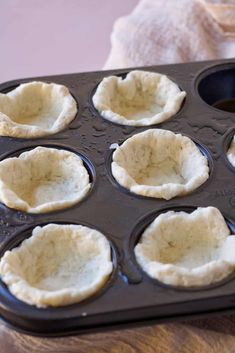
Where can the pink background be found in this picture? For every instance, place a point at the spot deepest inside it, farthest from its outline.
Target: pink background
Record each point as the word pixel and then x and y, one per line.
pixel 41 37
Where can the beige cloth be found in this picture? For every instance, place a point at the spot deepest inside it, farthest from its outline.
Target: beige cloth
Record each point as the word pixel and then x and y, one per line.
pixel 168 31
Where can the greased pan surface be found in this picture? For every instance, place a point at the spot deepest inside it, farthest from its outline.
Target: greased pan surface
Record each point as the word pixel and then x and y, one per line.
pixel 130 297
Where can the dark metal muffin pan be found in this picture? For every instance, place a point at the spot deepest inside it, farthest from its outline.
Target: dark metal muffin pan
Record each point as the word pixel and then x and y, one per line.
pixel 130 297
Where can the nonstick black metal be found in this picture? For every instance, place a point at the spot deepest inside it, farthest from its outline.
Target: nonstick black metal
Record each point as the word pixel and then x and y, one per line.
pixel 130 297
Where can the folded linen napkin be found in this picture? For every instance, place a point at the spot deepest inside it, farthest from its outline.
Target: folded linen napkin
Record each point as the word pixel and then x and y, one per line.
pixel 168 31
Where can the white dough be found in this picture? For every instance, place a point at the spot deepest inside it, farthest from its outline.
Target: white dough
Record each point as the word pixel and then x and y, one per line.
pixel 184 249
pixel 231 152
pixel 142 98
pixel 58 265
pixel 43 180
pixel 36 109
pixel 159 163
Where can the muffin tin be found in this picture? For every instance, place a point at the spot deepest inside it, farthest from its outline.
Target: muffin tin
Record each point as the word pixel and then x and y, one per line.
pixel 130 297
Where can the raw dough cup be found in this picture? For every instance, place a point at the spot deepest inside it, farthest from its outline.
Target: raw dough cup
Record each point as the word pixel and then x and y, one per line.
pixel 36 109
pixel 142 98
pixel 159 163
pixel 231 152
pixel 184 249
pixel 43 180
pixel 58 265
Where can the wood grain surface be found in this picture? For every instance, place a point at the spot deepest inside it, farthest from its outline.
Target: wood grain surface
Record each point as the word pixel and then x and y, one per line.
pixel 214 335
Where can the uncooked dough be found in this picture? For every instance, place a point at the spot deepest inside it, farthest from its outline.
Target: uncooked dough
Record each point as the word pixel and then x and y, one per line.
pixel 58 265
pixel 159 163
pixel 141 98
pixel 43 180
pixel 36 109
pixel 184 249
pixel 231 152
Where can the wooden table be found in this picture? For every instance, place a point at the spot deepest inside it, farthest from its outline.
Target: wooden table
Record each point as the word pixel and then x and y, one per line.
pixel 214 335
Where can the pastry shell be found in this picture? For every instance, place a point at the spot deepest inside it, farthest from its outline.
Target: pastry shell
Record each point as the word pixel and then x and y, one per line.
pixel 36 109
pixel 182 249
pixel 43 180
pixel 140 99
pixel 159 163
pixel 231 152
pixel 58 265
